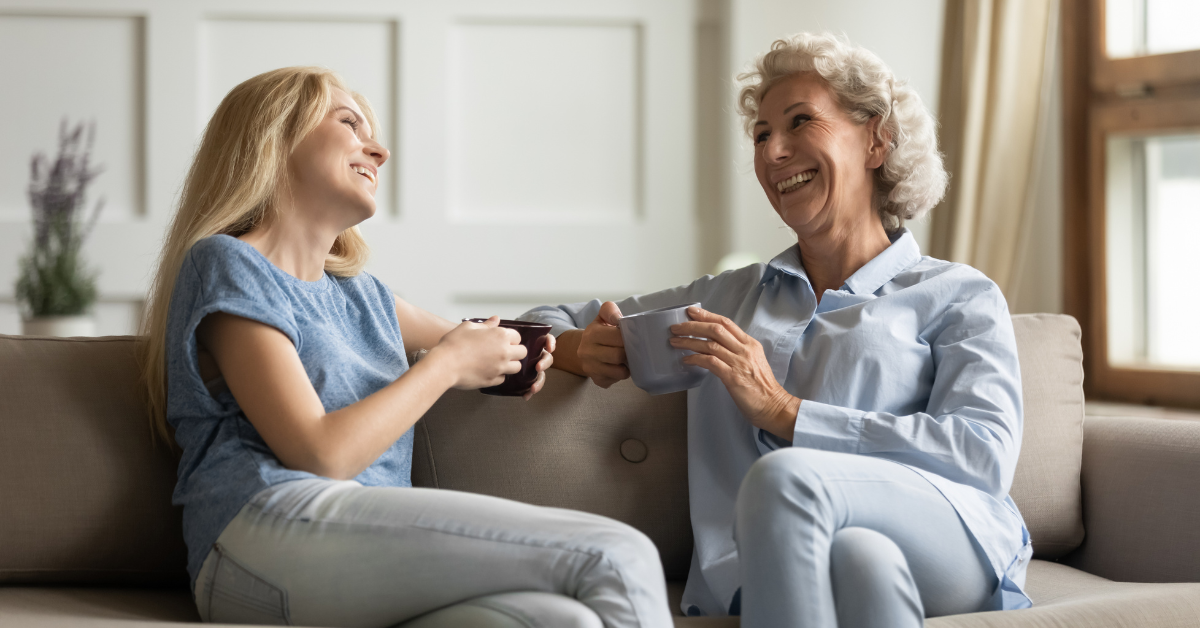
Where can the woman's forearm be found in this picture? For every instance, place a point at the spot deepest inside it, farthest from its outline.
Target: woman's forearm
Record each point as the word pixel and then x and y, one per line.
pixel 348 440
pixel 566 354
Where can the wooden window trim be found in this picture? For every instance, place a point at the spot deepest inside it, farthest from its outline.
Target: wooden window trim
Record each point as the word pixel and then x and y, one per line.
pixel 1092 108
pixel 1150 71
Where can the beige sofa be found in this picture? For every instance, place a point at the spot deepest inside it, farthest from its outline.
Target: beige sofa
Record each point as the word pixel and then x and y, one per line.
pixel 88 536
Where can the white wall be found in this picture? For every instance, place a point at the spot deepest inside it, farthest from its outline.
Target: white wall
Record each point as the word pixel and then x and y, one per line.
pixel 672 183
pixel 906 34
pixel 541 150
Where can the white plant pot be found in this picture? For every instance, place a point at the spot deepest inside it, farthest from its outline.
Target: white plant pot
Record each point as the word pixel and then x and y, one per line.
pixel 61 326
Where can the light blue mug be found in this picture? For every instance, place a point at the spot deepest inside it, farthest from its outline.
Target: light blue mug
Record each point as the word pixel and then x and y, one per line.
pixel 655 365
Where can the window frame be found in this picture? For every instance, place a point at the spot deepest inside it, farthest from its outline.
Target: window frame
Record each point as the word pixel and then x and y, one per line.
pixel 1112 76
pixel 1102 96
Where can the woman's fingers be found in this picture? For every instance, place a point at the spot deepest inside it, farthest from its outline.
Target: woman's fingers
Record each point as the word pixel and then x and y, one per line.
pixel 704 346
pixel 544 362
pixel 606 354
pixel 703 315
pixel 615 372
pixel 709 363
pixel 537 386
pixel 609 313
pixel 604 334
pixel 601 349
pixel 713 331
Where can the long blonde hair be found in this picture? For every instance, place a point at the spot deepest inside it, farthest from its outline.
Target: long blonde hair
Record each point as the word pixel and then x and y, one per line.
pixel 232 187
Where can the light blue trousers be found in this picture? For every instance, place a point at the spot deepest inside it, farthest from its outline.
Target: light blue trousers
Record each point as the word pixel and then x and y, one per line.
pixel 329 553
pixel 830 539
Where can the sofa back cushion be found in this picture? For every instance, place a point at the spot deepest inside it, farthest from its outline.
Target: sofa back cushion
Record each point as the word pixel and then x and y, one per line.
pixel 1046 486
pixel 618 452
pixel 85 495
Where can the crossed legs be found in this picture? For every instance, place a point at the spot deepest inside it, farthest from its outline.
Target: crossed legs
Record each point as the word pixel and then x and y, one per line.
pixel 830 539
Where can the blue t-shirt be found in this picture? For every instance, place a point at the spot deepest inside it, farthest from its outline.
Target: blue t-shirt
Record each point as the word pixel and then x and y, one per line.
pixel 346 332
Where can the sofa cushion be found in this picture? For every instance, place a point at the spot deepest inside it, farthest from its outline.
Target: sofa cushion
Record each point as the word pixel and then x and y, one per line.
pixel 618 452
pixel 75 607
pixel 86 494
pixel 1046 486
pixel 1141 480
pixel 1063 596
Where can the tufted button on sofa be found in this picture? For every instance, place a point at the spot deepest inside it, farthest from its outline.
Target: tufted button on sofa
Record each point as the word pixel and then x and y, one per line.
pixel 88 536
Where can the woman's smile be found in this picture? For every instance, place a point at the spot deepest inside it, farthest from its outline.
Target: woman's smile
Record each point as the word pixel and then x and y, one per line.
pixel 369 172
pixel 795 182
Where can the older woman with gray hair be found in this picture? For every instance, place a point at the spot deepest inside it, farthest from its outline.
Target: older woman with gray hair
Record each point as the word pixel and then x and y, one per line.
pixel 852 447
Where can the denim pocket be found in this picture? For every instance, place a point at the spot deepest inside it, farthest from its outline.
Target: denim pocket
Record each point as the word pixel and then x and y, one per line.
pixel 238 596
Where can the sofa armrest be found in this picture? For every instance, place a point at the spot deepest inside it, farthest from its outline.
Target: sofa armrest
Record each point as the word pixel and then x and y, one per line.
pixel 1141 500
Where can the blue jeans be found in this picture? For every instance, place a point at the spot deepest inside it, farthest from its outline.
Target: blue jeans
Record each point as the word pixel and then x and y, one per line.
pixel 831 539
pixel 334 553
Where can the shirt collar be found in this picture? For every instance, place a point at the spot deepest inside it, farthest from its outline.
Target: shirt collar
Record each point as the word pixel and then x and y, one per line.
pixel 898 257
pixel 787 263
pixel 895 259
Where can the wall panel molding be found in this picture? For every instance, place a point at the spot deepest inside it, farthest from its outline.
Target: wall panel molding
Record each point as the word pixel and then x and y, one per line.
pixel 363 51
pixel 546 120
pixel 97 63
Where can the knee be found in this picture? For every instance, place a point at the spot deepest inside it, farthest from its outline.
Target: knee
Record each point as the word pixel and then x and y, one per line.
pixel 781 478
pixel 872 584
pixel 628 548
pixel 864 559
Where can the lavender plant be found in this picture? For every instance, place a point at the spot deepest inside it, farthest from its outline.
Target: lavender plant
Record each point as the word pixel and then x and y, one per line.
pixel 53 279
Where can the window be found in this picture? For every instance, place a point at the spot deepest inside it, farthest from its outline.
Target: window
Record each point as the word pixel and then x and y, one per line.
pixel 1132 185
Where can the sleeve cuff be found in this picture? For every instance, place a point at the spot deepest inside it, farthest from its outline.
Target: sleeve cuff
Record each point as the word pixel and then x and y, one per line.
pixel 829 428
pixel 558 320
pixel 768 442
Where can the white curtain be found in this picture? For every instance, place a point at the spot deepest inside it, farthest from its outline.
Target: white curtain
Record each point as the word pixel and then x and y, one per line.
pixel 997 109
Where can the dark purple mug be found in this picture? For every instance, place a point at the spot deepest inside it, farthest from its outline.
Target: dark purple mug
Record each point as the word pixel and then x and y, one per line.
pixel 534 336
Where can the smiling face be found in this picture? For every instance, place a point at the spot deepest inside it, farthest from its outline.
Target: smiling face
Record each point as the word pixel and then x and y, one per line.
pixel 335 169
pixel 814 162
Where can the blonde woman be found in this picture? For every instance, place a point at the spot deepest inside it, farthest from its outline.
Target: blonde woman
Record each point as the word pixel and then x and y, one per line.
pixel 280 368
pixel 851 451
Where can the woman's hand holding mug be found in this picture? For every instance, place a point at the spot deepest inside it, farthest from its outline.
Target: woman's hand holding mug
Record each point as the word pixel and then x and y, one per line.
pixel 739 361
pixel 479 354
pixel 544 363
pixel 601 349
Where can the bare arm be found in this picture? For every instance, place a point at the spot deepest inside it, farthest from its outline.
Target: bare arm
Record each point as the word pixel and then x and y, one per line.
pixel 419 328
pixel 566 356
pixel 424 330
pixel 265 375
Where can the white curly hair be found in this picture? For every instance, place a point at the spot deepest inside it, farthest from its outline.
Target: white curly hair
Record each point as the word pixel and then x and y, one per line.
pixel 912 178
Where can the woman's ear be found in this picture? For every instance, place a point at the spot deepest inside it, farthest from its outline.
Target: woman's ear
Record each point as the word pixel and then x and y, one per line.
pixel 881 143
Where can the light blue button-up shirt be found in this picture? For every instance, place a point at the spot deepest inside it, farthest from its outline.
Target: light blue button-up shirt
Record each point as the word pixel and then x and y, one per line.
pixel 913 359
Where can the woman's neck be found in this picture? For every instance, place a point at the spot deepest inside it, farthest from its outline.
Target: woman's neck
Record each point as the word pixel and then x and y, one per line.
pixel 831 255
pixel 294 247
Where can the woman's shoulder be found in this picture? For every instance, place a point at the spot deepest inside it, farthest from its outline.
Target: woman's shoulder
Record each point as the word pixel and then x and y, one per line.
pixel 222 250
pixel 956 299
pixel 735 279
pixel 364 283
pixel 950 293
pixel 221 266
pixel 952 279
